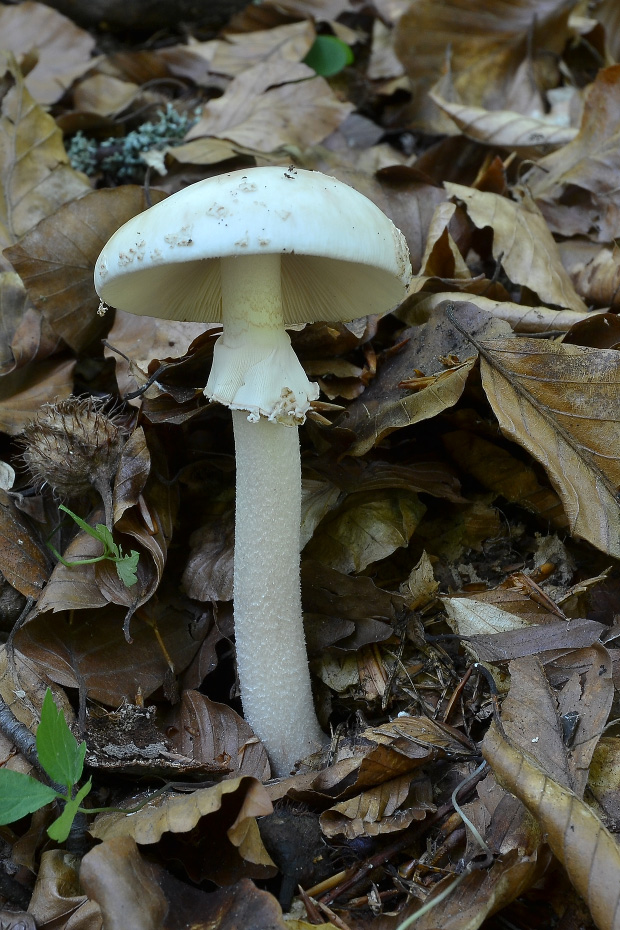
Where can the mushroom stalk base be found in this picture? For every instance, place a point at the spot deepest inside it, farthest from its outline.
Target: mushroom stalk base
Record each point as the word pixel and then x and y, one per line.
pixel 271 649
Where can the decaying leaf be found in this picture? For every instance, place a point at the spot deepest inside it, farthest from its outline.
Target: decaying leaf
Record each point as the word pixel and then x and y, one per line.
pixel 34 168
pixel 207 731
pixel 62 49
pixel 561 403
pixel 387 406
pixel 89 646
pixel 58 897
pixel 24 560
pixel 487 50
pixel 522 243
pixel 365 529
pixel 390 807
pixel 56 259
pixel 266 107
pixel 590 163
pixel 577 837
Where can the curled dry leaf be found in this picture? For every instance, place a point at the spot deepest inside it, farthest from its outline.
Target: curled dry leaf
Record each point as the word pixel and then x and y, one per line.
pixel 115 876
pixel 594 270
pixel 227 810
pixel 34 168
pixel 58 897
pixel 208 575
pixel 388 808
pixel 56 259
pixel 24 391
pixel 365 528
pixel 386 406
pixel 522 243
pixel 207 731
pixel 521 318
pixel 505 128
pixel 581 842
pixel 561 403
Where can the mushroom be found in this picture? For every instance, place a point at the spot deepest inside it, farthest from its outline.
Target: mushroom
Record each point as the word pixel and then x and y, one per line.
pixel 261 250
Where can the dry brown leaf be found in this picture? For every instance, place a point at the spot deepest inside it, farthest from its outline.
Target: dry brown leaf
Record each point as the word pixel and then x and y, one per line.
pixel 103 94
pixel 591 162
pixel 88 647
pixel 208 574
pixel 536 716
pixel 522 243
pixel 469 617
pixel 385 406
pixel 388 808
pixel 22 392
pixel 115 876
pixel 57 899
pixel 577 837
pixel 227 810
pixel 56 259
pixel 504 128
pixel 561 402
pixel 206 731
pixel 364 529
pixel 550 638
pixel 272 105
pixel 487 49
pixel 594 270
pixel 522 319
pixel 24 560
pixel 239 51
pixel 20 326
pixel 35 174
pixel 63 50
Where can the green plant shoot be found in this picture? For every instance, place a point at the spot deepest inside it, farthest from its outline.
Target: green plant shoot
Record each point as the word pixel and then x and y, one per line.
pixel 126 565
pixel 62 757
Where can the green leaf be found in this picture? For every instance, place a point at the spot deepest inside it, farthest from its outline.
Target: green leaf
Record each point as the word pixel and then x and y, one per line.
pixel 57 748
pixel 126 568
pixel 60 829
pixel 107 539
pixel 20 795
pixel 328 56
pixel 81 523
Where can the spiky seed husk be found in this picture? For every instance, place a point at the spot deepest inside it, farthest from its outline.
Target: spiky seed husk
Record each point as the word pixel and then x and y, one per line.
pixel 74 445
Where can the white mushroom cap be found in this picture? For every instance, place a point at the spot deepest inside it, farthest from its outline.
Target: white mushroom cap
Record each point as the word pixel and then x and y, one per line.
pixel 342 258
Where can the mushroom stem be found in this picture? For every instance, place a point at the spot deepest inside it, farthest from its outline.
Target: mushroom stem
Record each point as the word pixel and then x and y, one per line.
pixel 254 365
pixel 271 649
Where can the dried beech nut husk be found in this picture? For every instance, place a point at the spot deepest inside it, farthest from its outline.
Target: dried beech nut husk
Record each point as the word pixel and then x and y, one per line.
pixel 74 445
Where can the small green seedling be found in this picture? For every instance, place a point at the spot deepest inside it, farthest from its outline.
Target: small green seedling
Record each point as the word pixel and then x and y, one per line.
pixel 126 565
pixel 329 55
pixel 63 759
